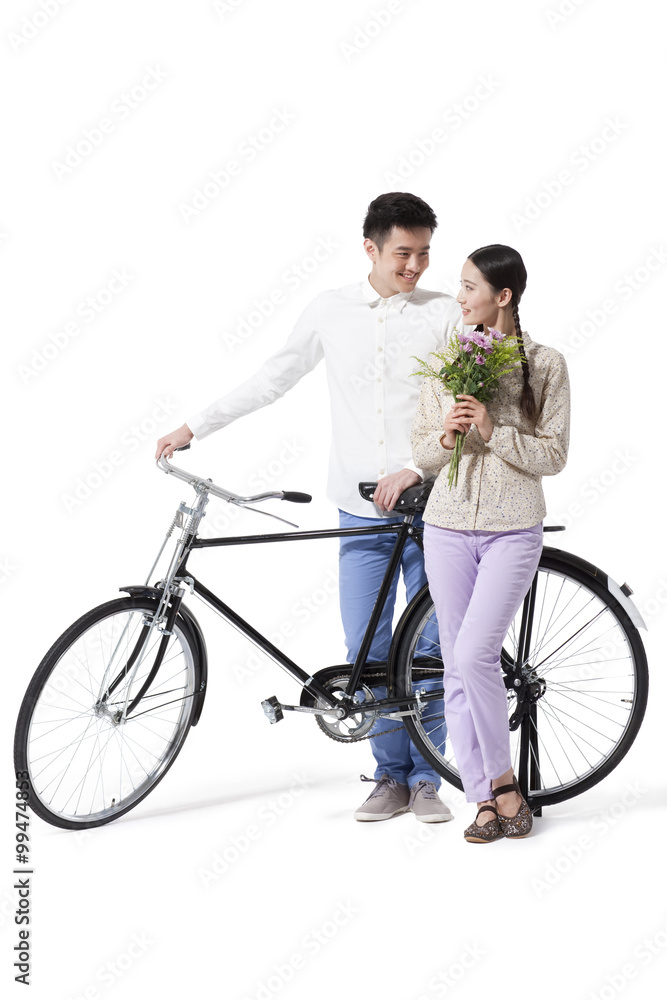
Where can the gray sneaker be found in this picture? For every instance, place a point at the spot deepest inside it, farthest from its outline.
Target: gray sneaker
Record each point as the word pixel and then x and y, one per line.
pixel 388 798
pixel 427 805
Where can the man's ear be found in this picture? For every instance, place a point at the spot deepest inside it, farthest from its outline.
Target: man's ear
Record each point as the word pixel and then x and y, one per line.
pixel 371 249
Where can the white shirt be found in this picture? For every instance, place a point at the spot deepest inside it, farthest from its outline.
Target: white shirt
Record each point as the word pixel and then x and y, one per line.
pixel 367 343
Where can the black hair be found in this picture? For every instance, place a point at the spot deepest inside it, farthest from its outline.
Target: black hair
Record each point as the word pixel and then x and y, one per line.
pixel 397 208
pixel 502 267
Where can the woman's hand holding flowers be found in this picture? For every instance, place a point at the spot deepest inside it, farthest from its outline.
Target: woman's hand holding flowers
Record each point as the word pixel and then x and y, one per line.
pixel 470 410
pixel 453 424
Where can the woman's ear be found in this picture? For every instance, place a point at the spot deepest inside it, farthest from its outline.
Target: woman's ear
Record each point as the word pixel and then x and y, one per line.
pixel 504 298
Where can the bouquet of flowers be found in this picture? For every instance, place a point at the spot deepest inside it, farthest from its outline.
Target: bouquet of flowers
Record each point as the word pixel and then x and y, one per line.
pixel 471 364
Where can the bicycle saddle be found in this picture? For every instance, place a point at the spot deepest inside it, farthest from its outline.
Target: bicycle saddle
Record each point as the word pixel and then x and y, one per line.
pixel 411 501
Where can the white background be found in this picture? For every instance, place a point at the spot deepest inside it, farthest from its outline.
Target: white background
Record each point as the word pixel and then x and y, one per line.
pixel 517 94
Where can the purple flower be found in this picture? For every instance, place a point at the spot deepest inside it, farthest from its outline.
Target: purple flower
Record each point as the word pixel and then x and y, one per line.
pixel 495 334
pixel 479 360
pixel 486 343
pixel 467 348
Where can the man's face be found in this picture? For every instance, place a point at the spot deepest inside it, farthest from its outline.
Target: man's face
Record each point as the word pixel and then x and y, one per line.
pixel 399 265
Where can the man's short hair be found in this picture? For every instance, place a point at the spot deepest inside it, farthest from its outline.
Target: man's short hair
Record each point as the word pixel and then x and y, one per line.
pixel 397 208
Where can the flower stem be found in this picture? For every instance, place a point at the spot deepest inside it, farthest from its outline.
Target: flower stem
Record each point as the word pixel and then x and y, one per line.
pixel 453 471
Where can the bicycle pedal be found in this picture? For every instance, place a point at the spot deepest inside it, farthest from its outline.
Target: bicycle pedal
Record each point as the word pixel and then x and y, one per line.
pixel 273 709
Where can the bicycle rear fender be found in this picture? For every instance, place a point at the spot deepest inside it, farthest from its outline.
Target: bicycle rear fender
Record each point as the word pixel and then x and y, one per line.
pixel 549 555
pixel 616 591
pixel 190 624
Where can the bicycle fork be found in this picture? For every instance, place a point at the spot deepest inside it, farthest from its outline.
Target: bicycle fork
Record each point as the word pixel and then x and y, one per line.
pixel 162 620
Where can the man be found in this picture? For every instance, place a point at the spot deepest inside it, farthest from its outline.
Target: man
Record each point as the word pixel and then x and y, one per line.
pixel 367 334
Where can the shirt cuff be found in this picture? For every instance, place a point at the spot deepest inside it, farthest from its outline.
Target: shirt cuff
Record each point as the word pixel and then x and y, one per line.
pixel 413 468
pixel 199 426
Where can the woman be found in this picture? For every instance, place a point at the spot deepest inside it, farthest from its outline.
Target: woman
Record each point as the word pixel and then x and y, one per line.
pixel 483 539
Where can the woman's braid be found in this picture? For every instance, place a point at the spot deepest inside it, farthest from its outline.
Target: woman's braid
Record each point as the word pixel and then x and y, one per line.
pixel 528 407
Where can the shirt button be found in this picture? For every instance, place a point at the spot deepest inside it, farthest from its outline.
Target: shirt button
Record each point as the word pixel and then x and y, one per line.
pixel 381 442
pixel 379 379
pixel 379 411
pixel 379 348
pixel 382 472
pixel 381 319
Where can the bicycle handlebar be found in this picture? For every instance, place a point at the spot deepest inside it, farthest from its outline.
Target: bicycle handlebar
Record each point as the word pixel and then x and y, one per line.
pixel 199 483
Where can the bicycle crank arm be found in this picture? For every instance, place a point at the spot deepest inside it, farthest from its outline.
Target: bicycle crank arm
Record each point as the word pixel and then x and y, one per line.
pixel 273 710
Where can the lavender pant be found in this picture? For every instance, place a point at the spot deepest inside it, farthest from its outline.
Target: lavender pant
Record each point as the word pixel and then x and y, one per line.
pixel 478 580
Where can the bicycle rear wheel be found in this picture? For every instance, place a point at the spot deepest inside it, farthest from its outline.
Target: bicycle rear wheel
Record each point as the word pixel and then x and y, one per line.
pixel 86 763
pixel 582 684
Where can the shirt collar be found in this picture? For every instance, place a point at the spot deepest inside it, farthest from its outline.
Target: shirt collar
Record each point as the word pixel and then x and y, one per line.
pixel 372 297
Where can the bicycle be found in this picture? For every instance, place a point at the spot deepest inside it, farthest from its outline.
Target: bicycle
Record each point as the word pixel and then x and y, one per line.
pixel 110 705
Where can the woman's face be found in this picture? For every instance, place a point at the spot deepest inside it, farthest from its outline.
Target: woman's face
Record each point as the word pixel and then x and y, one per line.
pixel 479 303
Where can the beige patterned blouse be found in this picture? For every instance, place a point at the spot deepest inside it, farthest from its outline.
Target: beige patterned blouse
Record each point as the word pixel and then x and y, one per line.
pixel 499 485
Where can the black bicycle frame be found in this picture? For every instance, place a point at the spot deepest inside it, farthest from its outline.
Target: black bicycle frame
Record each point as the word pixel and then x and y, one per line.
pixel 404 531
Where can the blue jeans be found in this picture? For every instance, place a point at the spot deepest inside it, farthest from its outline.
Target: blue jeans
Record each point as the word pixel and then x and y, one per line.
pixel 363 563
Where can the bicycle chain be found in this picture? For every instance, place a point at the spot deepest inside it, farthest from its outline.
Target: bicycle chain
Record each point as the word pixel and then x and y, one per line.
pixel 371 735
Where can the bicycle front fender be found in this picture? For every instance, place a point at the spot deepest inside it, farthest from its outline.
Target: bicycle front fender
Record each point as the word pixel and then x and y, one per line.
pixel 192 627
pixel 588 569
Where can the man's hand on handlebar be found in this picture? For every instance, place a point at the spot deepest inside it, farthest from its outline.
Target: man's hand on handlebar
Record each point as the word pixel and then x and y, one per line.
pixel 390 487
pixel 176 439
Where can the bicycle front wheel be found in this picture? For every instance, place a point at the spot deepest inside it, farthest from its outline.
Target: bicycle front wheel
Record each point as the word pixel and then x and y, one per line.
pixel 581 667
pixel 88 760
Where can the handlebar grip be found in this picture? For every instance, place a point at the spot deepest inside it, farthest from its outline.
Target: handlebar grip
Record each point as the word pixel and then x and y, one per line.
pixel 297 497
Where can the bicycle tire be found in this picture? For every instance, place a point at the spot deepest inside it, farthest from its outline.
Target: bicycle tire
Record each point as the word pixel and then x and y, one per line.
pixel 585 652
pixel 85 766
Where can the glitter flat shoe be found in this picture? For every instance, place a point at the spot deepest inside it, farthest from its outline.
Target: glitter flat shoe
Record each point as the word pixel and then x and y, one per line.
pixel 520 825
pixel 487 833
